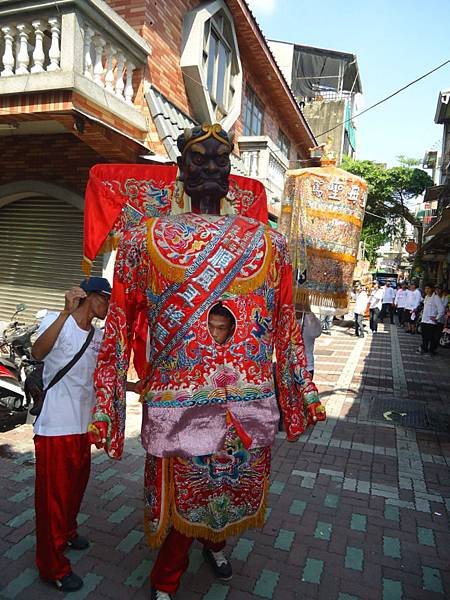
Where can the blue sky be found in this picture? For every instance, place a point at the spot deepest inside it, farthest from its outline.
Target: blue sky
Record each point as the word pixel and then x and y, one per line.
pixel 395 41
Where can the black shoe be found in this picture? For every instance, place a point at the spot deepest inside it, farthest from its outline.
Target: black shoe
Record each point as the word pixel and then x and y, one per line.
pixel 159 595
pixel 219 563
pixel 78 543
pixel 68 583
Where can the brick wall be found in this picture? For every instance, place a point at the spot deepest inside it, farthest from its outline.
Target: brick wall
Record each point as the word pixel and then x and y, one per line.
pixel 60 159
pixel 160 22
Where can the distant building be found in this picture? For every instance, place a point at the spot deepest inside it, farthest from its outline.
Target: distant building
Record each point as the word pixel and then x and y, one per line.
pixel 88 81
pixel 392 256
pixel 327 86
pixel 435 253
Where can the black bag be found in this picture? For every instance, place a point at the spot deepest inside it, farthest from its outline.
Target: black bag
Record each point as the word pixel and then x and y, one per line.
pixel 34 386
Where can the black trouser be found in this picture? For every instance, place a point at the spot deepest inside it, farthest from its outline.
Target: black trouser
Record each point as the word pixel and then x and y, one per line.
pixel 387 308
pixel 401 315
pixel 374 312
pixel 359 325
pixel 430 336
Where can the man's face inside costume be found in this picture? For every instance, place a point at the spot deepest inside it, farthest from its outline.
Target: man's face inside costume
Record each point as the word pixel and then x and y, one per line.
pixel 204 170
pixel 221 324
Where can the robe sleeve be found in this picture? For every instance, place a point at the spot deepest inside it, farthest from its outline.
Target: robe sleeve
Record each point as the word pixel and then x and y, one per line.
pixel 298 397
pixel 126 304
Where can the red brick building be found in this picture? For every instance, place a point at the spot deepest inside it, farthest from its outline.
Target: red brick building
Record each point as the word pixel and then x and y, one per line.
pixel 87 81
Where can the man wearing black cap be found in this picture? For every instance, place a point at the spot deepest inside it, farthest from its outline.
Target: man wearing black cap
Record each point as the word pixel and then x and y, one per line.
pixel 62 447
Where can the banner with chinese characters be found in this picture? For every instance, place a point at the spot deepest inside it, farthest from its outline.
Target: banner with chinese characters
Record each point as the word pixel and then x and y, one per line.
pixel 322 216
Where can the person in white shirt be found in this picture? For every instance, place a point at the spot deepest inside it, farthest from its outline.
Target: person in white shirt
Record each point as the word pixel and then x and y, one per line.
pixel 62 445
pixel 433 311
pixel 443 297
pixel 388 306
pixel 413 301
pixel 361 304
pixel 400 303
pixel 375 301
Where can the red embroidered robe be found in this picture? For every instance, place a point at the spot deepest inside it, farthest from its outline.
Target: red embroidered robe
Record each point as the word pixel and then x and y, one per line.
pixel 210 412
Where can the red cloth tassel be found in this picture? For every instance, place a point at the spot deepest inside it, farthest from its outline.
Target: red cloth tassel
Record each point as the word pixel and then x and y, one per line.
pixel 243 435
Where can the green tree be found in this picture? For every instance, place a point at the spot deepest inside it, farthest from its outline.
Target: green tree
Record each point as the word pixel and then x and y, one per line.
pixel 388 194
pixel 372 237
pixel 407 161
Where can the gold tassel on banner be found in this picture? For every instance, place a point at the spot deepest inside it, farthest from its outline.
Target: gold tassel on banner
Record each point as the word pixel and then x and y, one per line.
pixel 86 266
pixel 111 243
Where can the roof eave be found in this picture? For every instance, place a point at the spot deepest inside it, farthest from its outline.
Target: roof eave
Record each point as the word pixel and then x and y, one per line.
pixel 248 30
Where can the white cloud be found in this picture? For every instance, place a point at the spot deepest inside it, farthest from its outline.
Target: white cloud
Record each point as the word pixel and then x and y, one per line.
pixel 262 7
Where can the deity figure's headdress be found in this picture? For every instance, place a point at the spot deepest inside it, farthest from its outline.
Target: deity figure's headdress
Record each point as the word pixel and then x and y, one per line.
pixel 199 133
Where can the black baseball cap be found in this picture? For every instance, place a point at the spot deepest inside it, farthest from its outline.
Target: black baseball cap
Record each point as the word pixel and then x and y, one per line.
pixel 96 284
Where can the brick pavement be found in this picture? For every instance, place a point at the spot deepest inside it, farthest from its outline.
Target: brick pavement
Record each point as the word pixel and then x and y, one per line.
pixel 358 509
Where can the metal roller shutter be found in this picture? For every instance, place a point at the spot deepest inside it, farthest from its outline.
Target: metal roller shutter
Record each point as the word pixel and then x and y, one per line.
pixel 41 242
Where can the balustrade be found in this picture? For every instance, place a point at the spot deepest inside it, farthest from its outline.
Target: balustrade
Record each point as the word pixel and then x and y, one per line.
pixel 33 46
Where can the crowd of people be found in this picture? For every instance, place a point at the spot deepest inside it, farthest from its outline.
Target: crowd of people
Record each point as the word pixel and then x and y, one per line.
pixel 418 310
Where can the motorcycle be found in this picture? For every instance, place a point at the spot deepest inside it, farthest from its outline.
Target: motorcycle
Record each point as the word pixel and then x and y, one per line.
pixel 15 363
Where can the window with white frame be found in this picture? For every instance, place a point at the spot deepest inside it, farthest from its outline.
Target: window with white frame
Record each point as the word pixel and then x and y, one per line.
pixel 283 143
pixel 214 85
pixel 253 113
pixel 218 61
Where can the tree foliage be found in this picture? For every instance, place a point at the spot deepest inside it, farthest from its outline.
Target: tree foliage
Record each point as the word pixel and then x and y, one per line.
pixel 389 191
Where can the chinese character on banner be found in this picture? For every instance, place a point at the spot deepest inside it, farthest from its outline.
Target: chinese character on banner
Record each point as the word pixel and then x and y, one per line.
pixel 206 277
pixel 354 193
pixel 189 294
pixel 316 185
pixel 161 333
pixel 221 259
pixel 173 315
pixel 335 188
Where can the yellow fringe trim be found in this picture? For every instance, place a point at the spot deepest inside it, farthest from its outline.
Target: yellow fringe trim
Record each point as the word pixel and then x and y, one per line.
pixel 247 285
pixel 86 266
pixel 328 254
pixel 322 214
pixel 111 243
pixel 234 529
pixel 176 274
pixel 156 538
pixel 170 518
pixel 168 270
pixel 329 300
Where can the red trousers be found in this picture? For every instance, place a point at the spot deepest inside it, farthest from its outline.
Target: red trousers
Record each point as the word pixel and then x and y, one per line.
pixel 173 560
pixel 63 464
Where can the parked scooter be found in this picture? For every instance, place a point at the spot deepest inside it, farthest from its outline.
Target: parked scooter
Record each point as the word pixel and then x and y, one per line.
pixel 445 335
pixel 15 363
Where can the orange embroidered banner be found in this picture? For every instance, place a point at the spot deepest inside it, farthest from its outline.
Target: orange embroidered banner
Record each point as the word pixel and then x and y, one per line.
pixel 322 216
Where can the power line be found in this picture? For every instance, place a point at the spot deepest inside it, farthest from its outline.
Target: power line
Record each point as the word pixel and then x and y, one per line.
pixel 384 99
pixel 374 215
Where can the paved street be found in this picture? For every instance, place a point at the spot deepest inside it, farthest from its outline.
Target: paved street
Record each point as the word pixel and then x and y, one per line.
pixel 357 510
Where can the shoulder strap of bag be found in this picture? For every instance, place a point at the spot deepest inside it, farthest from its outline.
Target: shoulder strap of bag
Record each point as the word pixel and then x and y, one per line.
pixel 60 374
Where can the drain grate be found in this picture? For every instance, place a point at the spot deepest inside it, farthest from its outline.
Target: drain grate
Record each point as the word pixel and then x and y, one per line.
pixel 409 413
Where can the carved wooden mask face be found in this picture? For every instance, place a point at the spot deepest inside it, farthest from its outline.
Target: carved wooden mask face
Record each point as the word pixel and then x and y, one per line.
pixel 204 170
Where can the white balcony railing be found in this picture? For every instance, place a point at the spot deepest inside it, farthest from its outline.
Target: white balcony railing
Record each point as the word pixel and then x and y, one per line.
pixel 42 41
pixel 264 161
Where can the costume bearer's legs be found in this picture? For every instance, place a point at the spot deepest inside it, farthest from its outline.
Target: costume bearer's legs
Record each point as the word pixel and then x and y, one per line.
pixel 173 560
pixel 59 469
pixel 81 461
